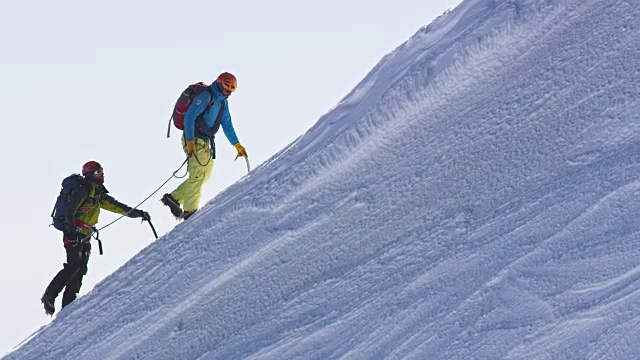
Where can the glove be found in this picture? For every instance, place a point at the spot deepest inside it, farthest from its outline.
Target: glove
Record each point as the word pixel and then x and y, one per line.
pixel 137 213
pixel 240 149
pixel 191 147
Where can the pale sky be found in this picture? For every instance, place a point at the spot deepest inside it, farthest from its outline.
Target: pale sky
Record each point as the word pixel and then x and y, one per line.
pixel 96 81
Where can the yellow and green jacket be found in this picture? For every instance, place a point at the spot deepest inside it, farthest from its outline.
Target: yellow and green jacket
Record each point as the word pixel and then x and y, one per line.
pixel 85 202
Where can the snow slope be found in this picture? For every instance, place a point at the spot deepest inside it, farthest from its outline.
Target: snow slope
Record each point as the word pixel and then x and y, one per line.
pixel 474 197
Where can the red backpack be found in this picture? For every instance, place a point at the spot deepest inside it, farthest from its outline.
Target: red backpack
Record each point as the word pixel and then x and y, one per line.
pixel 182 105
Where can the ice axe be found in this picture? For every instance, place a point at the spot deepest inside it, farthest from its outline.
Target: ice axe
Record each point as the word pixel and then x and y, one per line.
pixel 246 159
pixel 153 229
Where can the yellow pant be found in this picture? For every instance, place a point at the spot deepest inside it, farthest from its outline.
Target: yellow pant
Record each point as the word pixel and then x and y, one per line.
pixel 189 192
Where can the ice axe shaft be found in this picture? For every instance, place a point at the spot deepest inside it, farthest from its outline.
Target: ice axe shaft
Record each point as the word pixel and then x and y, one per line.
pixel 246 159
pixel 153 229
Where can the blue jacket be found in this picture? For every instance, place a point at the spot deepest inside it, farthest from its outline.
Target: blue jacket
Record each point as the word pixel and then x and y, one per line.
pixel 198 105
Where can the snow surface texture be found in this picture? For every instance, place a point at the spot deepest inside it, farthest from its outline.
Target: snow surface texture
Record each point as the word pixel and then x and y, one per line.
pixel 475 197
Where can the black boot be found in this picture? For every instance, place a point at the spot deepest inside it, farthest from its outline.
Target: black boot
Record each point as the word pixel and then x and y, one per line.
pixel 187 214
pixel 173 205
pixel 49 303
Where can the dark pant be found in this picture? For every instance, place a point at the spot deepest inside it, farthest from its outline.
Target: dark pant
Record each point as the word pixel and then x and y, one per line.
pixel 70 277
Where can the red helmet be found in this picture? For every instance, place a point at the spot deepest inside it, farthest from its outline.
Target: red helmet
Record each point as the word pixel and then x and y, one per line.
pixel 90 167
pixel 228 81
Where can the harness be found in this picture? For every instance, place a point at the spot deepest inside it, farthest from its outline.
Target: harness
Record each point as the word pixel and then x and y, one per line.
pixel 93 232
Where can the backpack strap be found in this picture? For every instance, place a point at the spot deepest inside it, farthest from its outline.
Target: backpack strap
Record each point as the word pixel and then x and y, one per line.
pixel 216 126
pixel 210 90
pixel 202 131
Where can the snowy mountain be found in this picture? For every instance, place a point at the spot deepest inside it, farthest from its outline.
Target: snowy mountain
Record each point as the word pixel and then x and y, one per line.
pixel 476 196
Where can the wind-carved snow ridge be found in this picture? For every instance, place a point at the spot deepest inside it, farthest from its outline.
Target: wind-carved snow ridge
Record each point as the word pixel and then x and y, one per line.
pixel 418 71
pixel 475 197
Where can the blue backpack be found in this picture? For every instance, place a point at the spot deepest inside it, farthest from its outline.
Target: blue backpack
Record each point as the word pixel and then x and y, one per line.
pixel 68 185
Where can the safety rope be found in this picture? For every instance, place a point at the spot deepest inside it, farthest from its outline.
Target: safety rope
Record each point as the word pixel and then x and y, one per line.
pixel 198 160
pixel 153 193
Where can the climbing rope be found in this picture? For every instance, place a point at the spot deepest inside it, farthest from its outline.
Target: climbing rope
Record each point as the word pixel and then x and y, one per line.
pixel 198 160
pixel 173 175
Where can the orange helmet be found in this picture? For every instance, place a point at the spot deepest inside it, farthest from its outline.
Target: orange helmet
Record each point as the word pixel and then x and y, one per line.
pixel 228 81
